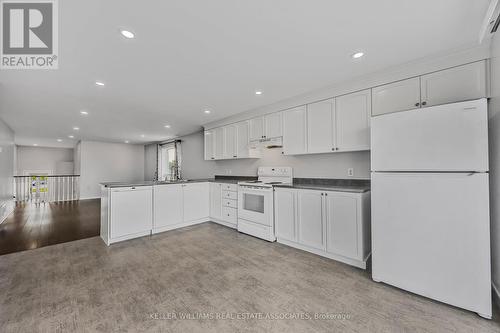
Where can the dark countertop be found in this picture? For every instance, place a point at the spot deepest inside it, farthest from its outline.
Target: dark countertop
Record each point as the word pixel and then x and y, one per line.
pixel 217 179
pixel 337 185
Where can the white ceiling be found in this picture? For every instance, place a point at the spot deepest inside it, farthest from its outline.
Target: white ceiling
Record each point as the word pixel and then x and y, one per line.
pixel 190 55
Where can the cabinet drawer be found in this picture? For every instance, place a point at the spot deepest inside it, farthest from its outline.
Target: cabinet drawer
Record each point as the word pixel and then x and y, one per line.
pixel 230 187
pixel 229 214
pixel 230 195
pixel 230 203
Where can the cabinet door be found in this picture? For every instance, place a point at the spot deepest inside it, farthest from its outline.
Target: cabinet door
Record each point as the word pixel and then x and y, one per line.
pixel 272 125
pixel 284 214
pixel 295 131
pixel 242 139
pixel 216 200
pixel 352 113
pixel 342 224
pixel 396 96
pixel 229 141
pixel 196 201
pixel 218 143
pixel 167 205
pixel 311 228
pixel 256 128
pixel 131 211
pixel 455 84
pixel 320 127
pixel 209 145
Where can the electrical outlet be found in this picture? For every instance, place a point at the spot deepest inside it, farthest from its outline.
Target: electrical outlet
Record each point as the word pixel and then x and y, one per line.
pixel 350 172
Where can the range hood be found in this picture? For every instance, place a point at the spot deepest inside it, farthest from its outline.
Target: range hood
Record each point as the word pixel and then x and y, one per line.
pixel 267 143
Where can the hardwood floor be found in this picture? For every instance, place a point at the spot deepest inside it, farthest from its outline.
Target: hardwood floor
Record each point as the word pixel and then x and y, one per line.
pixel 31 226
pixel 207 278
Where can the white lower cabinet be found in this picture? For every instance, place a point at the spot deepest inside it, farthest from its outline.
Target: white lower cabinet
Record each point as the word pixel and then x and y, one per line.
pixel 196 201
pixel 216 200
pixel 224 204
pixel 126 213
pixel 310 223
pixel 168 206
pixel 331 224
pixel 179 205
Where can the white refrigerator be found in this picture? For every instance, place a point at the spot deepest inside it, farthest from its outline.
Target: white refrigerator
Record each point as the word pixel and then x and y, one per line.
pixel 430 203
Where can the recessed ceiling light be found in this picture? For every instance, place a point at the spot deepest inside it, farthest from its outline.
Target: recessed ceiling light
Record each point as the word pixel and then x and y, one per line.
pixel 357 55
pixel 76 128
pixel 99 83
pixel 143 135
pixel 59 140
pixel 167 126
pixel 127 34
pixel 207 111
pixel 83 112
pixel 71 136
pixel 126 141
pixel 35 144
pixel 258 92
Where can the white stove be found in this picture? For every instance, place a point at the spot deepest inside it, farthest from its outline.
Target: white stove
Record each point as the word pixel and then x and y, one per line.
pixel 256 202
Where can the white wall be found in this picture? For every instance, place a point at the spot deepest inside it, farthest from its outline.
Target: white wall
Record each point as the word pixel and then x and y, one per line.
pixel 150 152
pixel 44 158
pixel 304 166
pixel 494 109
pixel 7 162
pixel 108 162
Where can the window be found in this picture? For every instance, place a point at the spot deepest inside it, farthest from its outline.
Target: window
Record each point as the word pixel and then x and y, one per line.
pixel 169 161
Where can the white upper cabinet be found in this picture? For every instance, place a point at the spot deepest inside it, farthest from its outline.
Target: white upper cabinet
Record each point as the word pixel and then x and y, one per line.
pixel 295 131
pixel 256 128
pixel 342 224
pixel 242 139
pixel 209 145
pixel 273 125
pixel 321 127
pixel 218 143
pixel 229 141
pixel 352 118
pixel 311 227
pixel 455 84
pixel 396 96
pixel 196 201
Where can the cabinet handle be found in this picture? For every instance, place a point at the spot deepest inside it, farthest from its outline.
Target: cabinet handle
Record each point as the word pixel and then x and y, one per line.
pixel 417 104
pixel 322 194
pixel 235 156
pixel 333 148
pixel 213 158
pixel 424 103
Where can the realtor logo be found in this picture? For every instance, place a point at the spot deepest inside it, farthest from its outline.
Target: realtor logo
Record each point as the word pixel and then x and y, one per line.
pixel 29 34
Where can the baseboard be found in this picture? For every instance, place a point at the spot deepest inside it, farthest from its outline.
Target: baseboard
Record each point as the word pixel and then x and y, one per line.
pixel 353 262
pixel 157 230
pixel 224 223
pixel 496 293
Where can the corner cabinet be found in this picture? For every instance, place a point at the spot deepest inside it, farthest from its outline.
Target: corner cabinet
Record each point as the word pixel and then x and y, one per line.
pixel 331 224
pixel 180 205
pixel 229 142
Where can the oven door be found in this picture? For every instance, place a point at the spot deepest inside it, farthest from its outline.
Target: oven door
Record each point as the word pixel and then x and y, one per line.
pixel 255 204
